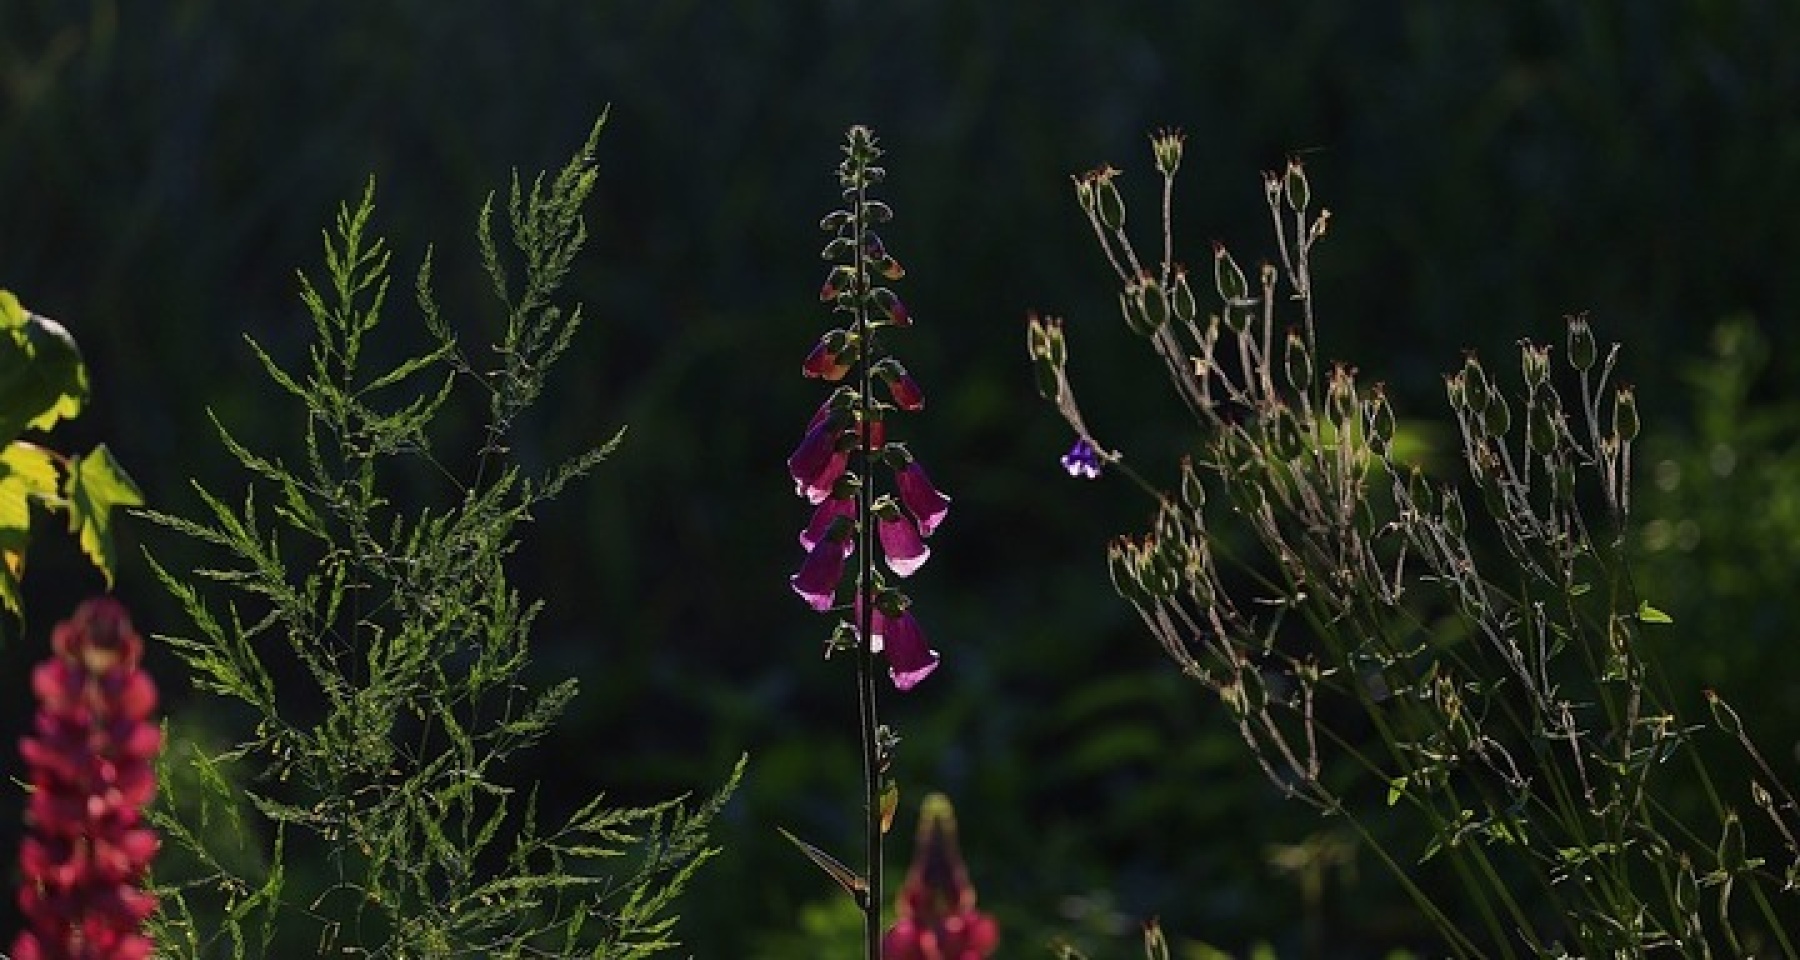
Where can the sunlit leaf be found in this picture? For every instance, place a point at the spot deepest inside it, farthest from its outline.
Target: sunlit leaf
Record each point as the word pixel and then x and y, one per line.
pixel 27 473
pixel 890 801
pixel 42 379
pixel 95 485
pixel 1649 614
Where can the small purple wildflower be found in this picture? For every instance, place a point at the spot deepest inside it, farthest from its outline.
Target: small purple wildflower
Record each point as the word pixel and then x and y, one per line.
pixel 906 392
pixel 900 542
pixel 820 526
pixel 922 499
pixel 1082 460
pixel 910 658
pixel 817 462
pixel 817 580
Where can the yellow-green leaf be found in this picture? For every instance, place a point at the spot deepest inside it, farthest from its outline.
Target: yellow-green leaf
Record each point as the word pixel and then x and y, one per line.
pixel 1649 614
pixel 42 379
pixel 27 473
pixel 95 485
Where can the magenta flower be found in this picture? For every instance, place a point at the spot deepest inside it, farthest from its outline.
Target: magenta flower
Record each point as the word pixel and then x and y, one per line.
pixel 906 392
pixel 922 499
pixel 1082 460
pixel 817 580
pixel 817 462
pixel 830 358
pixel 89 765
pixel 900 543
pixel 938 919
pixel 898 637
pixel 827 511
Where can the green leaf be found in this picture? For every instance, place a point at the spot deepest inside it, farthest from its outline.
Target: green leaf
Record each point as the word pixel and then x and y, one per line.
pixel 42 379
pixel 27 472
pixel 95 485
pixel 1649 614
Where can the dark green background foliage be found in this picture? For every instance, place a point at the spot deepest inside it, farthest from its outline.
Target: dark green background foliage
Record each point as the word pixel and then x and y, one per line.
pixel 165 167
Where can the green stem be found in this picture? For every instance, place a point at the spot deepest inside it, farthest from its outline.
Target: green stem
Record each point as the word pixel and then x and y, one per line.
pixel 865 587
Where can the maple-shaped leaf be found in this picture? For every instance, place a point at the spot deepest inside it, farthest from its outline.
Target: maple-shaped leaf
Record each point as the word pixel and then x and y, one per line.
pixel 95 484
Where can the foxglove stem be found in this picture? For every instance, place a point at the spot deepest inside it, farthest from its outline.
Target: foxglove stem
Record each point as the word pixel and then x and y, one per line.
pixel 868 719
pixel 834 469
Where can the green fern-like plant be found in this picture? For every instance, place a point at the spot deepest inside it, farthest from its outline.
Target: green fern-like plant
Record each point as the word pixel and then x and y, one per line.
pixel 379 648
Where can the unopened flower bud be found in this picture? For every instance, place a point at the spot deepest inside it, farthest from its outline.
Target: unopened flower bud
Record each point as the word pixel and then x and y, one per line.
pixel 1154 305
pixel 838 249
pixel 1107 202
pixel 831 357
pixel 1535 361
pixel 1181 296
pixel 1156 574
pixel 1498 415
pixel 1340 394
pixel 841 279
pixel 1135 303
pixel 1228 276
pixel 1167 146
pixel 1418 489
pixel 874 211
pixel 835 220
pixel 1582 352
pixel 1084 193
pixel 1381 420
pixel 1122 569
pixel 1625 415
pixel 1168 523
pixel 1544 428
pixel 1044 340
pixel 891 307
pixel 905 390
pixel 873 249
pixel 1475 385
pixel 1271 187
pixel 1299 193
pixel 1454 520
pixel 1286 440
pixel 1298 362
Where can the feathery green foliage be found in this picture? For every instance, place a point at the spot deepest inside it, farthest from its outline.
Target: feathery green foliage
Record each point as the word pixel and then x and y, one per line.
pixel 379 648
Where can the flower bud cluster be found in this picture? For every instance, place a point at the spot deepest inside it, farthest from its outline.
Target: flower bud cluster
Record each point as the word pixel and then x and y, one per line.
pixel 846 440
pixel 89 763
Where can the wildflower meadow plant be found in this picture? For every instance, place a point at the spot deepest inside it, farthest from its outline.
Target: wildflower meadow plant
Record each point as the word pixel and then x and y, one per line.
pixel 1474 651
pixel 83 862
pixel 835 468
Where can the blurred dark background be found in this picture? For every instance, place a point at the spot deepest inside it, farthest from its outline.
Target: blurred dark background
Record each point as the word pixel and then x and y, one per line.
pixel 165 168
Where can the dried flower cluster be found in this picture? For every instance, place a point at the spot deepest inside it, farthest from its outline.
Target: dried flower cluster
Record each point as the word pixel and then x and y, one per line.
pixel 90 769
